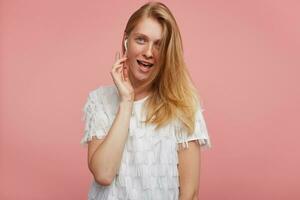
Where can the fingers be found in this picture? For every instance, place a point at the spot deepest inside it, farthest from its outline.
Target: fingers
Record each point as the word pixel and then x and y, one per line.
pixel 125 73
pixel 117 56
pixel 119 60
pixel 122 73
pixel 119 63
pixel 119 66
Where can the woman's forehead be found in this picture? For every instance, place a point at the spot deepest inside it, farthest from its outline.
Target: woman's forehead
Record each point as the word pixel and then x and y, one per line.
pixel 149 28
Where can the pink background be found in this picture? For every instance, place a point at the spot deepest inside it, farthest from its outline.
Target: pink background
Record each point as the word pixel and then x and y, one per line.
pixel 243 57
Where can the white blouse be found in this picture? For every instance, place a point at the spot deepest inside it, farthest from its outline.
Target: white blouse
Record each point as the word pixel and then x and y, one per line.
pixel 148 169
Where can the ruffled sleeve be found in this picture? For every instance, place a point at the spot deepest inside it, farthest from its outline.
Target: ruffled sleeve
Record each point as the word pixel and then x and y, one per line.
pixel 95 117
pixel 200 133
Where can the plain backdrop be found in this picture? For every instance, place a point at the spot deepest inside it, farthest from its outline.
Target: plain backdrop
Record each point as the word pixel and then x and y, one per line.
pixel 242 55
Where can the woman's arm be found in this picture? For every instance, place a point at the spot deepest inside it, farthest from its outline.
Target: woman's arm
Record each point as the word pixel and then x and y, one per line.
pixel 104 156
pixel 189 171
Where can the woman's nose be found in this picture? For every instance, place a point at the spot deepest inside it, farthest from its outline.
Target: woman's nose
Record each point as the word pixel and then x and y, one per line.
pixel 148 51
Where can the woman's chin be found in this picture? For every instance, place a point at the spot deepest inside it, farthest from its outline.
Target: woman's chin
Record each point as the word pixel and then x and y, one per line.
pixel 139 73
pixel 140 77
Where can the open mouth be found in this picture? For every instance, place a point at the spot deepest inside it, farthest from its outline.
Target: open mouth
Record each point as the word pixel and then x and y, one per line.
pixel 147 65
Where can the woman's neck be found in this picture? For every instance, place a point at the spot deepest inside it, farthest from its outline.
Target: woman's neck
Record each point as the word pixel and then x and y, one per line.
pixel 141 92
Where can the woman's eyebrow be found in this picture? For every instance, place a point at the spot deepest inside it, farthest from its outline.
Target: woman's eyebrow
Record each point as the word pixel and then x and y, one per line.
pixel 146 36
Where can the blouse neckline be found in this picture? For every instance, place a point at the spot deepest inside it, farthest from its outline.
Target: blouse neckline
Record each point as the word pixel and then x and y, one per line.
pixel 141 100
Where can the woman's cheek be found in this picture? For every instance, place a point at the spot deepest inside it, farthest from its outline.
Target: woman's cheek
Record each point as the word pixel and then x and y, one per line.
pixel 137 49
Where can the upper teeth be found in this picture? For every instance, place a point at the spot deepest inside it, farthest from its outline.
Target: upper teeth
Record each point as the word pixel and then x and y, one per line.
pixel 147 64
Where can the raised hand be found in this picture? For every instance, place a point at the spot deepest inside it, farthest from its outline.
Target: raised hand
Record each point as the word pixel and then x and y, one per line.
pixel 120 77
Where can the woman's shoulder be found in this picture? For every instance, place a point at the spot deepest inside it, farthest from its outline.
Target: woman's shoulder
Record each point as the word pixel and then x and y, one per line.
pixel 104 92
pixel 107 95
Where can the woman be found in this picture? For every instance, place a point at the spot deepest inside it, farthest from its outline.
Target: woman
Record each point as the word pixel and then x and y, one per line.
pixel 145 131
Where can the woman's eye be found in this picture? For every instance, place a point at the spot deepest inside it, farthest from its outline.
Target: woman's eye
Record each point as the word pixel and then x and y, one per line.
pixel 140 40
pixel 157 46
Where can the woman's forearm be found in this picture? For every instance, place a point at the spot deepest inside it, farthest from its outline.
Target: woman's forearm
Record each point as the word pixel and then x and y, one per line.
pixel 107 158
pixel 195 197
pixel 188 195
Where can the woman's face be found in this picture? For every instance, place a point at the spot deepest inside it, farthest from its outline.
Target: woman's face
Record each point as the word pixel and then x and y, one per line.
pixel 143 49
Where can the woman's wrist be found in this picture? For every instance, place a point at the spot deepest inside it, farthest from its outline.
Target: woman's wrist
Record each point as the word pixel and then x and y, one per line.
pixel 126 104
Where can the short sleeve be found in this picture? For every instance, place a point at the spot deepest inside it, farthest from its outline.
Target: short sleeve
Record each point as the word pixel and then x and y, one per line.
pixel 95 117
pixel 200 133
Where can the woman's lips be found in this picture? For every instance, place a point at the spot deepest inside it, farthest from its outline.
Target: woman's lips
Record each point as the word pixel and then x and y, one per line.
pixel 147 64
pixel 143 68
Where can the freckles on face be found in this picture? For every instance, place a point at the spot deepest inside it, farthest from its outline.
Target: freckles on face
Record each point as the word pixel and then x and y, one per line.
pixel 145 40
pixel 143 48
